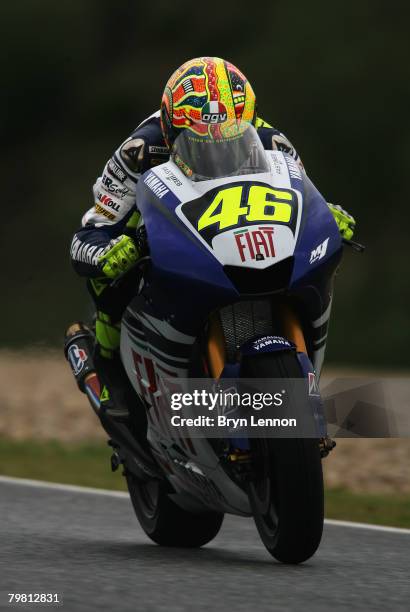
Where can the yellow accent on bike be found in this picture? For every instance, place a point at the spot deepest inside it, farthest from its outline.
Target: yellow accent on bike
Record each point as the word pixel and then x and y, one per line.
pixel 229 201
pixel 282 210
pixel 226 207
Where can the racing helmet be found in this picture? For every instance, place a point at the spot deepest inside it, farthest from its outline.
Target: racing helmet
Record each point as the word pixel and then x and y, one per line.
pixel 206 95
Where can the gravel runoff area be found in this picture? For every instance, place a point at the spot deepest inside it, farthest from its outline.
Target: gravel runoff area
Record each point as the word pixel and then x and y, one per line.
pixel 39 400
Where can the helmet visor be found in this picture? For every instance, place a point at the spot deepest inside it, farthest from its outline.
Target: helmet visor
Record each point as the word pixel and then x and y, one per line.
pixel 236 151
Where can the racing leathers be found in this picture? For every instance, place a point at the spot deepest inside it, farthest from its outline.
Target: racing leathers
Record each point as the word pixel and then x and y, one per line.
pixel 114 216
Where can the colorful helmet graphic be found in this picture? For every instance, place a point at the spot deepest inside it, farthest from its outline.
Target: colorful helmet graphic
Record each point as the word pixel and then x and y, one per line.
pixel 204 94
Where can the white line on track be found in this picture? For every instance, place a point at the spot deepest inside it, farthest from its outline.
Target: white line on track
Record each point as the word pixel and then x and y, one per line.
pixel 40 484
pixel 384 528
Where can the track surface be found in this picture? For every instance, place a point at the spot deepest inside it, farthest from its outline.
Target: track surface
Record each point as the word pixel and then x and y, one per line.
pixel 89 548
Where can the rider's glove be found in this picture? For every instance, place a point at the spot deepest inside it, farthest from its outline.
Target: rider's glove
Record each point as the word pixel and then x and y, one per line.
pixel 118 257
pixel 345 222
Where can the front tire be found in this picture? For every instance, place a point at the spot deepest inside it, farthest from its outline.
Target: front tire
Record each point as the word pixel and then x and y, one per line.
pixel 164 522
pixel 286 494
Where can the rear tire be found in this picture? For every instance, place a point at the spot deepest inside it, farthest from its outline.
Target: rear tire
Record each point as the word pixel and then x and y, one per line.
pixel 167 524
pixel 286 495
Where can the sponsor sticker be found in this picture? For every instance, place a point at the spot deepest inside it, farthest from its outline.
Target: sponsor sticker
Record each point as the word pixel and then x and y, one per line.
pixel 77 357
pixel 115 170
pixel 319 252
pixel 101 211
pixel 171 176
pixel 214 112
pixel 277 162
pixel 156 185
pixel 114 188
pixel 158 150
pixel 266 344
pixel 313 386
pixel 106 200
pixel 266 341
pixel 294 170
pixel 255 244
pixel 87 253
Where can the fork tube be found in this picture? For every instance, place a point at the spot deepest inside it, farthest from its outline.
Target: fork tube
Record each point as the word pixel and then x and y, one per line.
pixel 292 329
pixel 216 347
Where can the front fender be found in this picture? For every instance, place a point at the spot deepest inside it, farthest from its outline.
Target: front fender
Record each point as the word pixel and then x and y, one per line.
pixel 266 344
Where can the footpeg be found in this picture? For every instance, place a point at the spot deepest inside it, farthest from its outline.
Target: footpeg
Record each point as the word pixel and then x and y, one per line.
pixel 326 445
pixel 239 456
pixel 115 461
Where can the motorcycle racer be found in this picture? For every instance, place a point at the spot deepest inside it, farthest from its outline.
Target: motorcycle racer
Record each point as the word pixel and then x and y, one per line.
pixel 105 249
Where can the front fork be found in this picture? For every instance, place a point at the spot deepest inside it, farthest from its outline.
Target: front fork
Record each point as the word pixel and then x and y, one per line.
pixel 292 331
pixel 288 321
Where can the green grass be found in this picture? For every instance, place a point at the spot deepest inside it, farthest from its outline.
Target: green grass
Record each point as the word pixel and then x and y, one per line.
pixel 89 465
pixel 381 509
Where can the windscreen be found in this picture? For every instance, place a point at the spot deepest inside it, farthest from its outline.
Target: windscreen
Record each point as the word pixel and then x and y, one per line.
pixel 203 157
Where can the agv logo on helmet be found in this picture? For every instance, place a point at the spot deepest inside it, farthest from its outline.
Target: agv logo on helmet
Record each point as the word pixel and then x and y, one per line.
pixel 214 112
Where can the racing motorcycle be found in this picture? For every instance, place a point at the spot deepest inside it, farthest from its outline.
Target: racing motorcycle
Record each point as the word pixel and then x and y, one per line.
pixel 243 248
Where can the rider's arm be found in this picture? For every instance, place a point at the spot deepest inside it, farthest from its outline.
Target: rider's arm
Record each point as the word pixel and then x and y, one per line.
pixel 91 242
pixel 273 140
pixel 344 220
pixel 114 197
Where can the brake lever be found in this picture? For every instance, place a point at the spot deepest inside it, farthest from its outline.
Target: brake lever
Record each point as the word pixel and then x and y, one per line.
pixel 360 248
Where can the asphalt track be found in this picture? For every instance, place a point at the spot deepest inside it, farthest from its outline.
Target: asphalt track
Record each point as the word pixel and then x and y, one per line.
pixel 86 546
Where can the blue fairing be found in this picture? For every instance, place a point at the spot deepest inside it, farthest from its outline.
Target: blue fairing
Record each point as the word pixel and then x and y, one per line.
pixel 317 226
pixel 175 252
pixel 181 263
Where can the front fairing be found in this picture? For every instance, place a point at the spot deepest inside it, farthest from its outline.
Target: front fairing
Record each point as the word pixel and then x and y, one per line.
pixel 184 276
pixel 319 242
pixel 171 204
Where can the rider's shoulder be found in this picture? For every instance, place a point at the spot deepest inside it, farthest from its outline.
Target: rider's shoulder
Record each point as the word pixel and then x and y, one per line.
pixel 268 136
pixel 273 139
pixel 145 147
pixel 150 127
pixel 267 132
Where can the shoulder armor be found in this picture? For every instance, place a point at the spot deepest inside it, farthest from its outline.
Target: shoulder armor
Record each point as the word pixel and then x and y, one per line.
pixel 132 153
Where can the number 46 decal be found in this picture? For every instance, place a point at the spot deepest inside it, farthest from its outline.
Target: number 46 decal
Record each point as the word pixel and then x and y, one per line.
pixel 263 204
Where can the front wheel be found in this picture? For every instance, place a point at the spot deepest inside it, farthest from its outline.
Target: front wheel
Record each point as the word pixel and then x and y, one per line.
pixel 286 493
pixel 287 498
pixel 165 522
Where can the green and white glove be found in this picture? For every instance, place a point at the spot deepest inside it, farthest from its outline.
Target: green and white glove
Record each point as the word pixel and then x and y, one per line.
pixel 345 222
pixel 118 257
